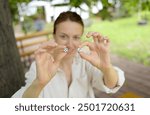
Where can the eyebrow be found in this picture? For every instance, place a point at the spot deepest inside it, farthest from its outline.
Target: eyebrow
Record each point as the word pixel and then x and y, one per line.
pixel 68 36
pixel 64 34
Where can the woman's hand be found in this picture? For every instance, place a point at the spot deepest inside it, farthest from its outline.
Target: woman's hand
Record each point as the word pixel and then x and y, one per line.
pixel 99 57
pixel 48 58
pixel 99 51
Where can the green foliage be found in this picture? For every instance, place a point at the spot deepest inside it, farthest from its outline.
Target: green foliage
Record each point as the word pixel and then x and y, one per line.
pixel 129 7
pixel 75 3
pixel 28 24
pixel 14 9
pixel 105 3
pixel 128 39
pixel 145 5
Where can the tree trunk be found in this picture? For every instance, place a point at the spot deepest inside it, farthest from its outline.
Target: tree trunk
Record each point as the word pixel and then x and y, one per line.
pixel 11 69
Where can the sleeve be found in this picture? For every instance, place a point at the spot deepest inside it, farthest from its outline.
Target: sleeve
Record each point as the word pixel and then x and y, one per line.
pixel 96 79
pixel 30 76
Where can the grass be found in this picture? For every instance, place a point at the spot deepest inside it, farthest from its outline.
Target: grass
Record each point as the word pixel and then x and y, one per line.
pixel 128 39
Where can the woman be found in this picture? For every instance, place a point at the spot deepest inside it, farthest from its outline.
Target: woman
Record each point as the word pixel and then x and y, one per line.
pixel 63 69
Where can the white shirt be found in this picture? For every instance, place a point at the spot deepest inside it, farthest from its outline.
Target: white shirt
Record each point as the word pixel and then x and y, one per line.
pixel 85 77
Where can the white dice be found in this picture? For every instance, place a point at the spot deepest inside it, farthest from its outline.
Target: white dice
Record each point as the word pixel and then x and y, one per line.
pixel 65 50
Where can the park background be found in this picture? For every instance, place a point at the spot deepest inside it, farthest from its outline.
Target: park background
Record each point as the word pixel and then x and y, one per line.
pixel 126 22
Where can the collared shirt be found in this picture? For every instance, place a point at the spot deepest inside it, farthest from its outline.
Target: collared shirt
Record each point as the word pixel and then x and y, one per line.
pixel 85 77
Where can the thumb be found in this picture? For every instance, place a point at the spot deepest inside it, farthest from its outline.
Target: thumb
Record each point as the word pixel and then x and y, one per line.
pixel 60 57
pixel 85 56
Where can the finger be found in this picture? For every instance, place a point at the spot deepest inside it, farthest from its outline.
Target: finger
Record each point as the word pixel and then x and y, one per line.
pixel 56 49
pixel 85 56
pixel 60 49
pixel 39 51
pixel 106 41
pixel 89 34
pixel 48 45
pixel 90 45
pixel 50 58
pixel 60 57
pixel 40 58
pixel 59 52
pixel 102 39
pixel 96 36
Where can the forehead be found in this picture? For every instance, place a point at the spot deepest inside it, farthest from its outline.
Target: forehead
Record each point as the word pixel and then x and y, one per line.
pixel 69 27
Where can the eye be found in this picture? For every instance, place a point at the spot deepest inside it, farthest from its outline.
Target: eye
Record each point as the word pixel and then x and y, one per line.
pixel 63 36
pixel 76 38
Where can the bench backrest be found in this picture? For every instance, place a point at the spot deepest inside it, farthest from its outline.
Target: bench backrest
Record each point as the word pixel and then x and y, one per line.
pixel 29 43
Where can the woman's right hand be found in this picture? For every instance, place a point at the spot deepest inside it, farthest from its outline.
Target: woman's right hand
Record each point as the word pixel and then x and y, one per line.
pixel 48 58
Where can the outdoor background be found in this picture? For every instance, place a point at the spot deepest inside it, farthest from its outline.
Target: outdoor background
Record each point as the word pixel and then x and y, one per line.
pixel 25 24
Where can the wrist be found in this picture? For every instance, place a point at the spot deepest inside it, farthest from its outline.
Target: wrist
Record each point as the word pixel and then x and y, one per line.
pixel 106 68
pixel 38 84
pixel 106 62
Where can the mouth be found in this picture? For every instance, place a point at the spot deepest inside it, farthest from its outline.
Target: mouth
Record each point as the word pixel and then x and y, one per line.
pixel 72 50
pixel 69 51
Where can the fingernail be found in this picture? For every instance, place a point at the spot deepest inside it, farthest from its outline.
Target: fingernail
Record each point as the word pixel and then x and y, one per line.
pixel 79 49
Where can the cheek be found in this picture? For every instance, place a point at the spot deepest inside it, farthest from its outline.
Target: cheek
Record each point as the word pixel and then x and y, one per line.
pixel 60 41
pixel 76 44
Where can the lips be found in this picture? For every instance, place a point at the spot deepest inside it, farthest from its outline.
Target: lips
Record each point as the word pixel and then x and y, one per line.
pixel 71 51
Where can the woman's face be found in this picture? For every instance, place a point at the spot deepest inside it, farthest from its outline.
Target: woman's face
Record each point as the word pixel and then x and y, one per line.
pixel 69 33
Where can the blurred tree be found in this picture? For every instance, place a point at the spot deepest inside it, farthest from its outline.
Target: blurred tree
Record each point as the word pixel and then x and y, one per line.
pixel 141 7
pixel 14 8
pixel 11 71
pixel 105 13
pixel 131 6
pixel 127 7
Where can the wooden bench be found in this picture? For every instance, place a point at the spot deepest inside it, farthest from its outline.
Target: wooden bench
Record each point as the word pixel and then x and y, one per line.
pixel 29 43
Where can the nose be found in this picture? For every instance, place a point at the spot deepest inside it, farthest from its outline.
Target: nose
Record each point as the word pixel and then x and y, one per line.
pixel 70 43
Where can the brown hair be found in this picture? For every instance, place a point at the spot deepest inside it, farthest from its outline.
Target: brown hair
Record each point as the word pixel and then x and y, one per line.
pixel 69 15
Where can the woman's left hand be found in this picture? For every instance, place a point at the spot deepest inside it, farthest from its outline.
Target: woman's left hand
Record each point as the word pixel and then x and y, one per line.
pixel 99 51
